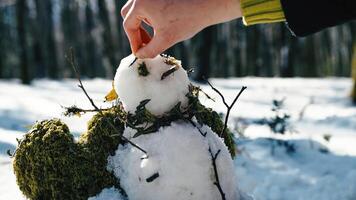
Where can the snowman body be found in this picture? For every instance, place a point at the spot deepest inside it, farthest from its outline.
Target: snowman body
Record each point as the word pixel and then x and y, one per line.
pixel 184 160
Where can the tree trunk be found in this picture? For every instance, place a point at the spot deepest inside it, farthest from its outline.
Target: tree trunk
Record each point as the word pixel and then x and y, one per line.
pixel 46 34
pixel 92 58
pixel 204 54
pixel 288 44
pixel 21 13
pixel 108 43
pixel 123 44
pixel 2 51
pixel 353 65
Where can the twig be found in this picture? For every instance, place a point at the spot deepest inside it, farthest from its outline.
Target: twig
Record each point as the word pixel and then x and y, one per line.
pixel 190 71
pixel 169 72
pixel 133 62
pixel 74 110
pixel 217 181
pixel 71 60
pixel 200 131
pixel 206 95
pixel 228 107
pixel 152 178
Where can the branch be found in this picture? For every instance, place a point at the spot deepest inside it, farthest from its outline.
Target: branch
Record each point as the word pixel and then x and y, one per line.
pixel 74 110
pixel 228 107
pixel 13 154
pixel 217 181
pixel 71 60
pixel 133 62
pixel 200 131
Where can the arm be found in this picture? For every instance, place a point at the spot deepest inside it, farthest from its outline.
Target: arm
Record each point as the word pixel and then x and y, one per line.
pixel 177 20
pixel 172 21
pixel 303 17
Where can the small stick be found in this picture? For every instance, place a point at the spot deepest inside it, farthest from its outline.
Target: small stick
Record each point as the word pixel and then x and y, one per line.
pixel 152 178
pixel 206 95
pixel 217 181
pixel 133 62
pixel 200 131
pixel 71 60
pixel 190 71
pixel 169 72
pixel 74 110
pixel 228 107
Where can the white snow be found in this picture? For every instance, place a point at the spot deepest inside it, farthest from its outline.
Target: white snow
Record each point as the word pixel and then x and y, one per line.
pixel 108 194
pixel 306 174
pixel 133 88
pixel 180 155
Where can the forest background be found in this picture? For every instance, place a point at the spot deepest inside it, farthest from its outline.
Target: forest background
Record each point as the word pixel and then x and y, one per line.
pixel 35 35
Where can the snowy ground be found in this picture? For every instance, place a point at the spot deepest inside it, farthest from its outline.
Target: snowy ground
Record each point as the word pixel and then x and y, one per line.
pixel 318 169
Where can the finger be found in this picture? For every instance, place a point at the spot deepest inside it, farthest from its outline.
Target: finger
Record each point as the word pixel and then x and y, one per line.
pixel 157 45
pixel 132 26
pixel 145 36
pixel 125 9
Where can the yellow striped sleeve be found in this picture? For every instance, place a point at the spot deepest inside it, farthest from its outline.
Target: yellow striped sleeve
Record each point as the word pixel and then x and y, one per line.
pixel 261 11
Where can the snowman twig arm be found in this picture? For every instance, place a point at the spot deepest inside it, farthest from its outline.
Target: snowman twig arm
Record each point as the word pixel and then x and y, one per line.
pixel 228 107
pixel 74 110
pixel 217 181
pixel 72 62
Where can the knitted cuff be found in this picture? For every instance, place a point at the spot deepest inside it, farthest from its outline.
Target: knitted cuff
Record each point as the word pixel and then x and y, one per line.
pixel 261 11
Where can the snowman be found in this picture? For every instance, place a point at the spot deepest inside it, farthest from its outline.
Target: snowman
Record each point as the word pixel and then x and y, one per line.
pixel 184 159
pixel 157 143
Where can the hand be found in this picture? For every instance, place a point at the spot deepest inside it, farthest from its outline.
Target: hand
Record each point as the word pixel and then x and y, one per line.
pixel 172 21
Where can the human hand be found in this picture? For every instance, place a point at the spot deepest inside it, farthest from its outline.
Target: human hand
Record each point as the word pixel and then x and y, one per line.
pixel 172 21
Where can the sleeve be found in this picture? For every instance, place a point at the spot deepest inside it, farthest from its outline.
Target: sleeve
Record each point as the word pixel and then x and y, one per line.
pixel 305 17
pixel 261 11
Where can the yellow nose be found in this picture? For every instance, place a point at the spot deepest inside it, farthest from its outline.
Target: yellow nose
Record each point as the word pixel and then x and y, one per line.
pixel 112 95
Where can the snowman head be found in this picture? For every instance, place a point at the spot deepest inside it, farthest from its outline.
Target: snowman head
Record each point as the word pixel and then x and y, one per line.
pixel 161 80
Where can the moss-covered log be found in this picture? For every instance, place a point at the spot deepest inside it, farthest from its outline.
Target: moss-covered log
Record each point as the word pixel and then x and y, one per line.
pixel 49 164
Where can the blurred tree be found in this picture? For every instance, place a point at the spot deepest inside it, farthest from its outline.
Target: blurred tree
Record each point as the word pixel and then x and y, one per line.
pixel 123 45
pixel 204 52
pixel 45 37
pixel 353 65
pixel 2 51
pixel 93 63
pixel 50 27
pixel 73 35
pixel 22 15
pixel 108 43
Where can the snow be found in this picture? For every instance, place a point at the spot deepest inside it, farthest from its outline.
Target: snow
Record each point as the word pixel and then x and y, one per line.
pixel 308 173
pixel 133 88
pixel 180 155
pixel 108 194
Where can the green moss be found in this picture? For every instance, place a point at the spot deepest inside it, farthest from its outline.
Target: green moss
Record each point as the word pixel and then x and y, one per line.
pixel 101 138
pixel 142 69
pixel 49 164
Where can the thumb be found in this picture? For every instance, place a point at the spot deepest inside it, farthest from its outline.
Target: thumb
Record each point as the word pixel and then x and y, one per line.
pixel 157 45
